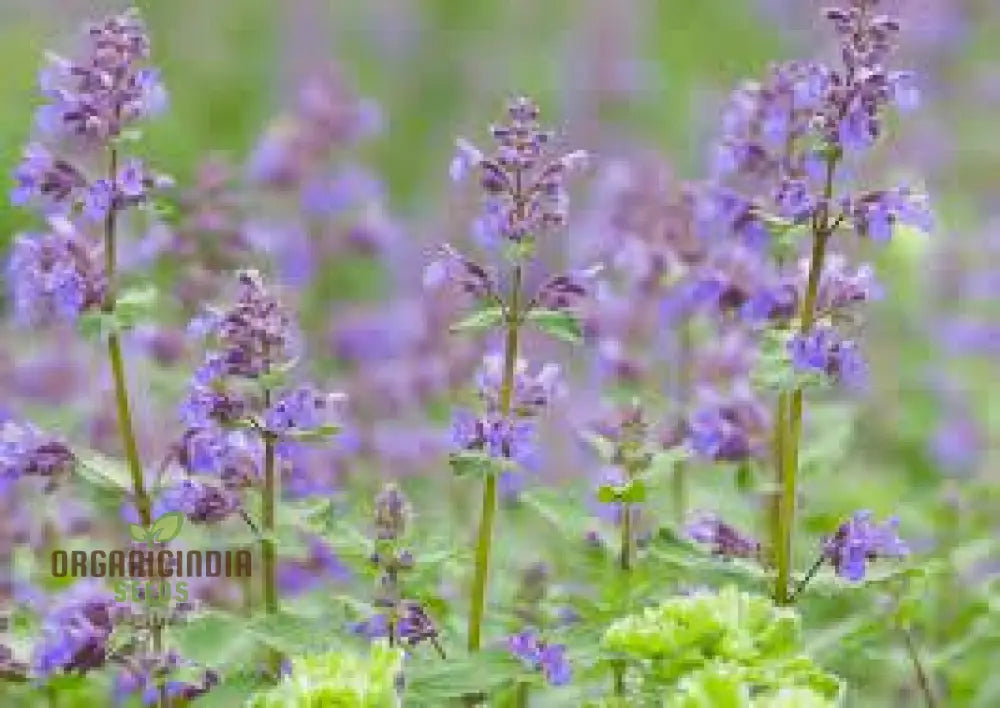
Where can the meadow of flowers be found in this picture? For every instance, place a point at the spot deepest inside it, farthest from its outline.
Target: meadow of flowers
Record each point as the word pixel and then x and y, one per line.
pixel 488 375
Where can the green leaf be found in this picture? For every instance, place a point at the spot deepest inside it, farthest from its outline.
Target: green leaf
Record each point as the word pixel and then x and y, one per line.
pixel 95 324
pixel 558 323
pixel 134 304
pixel 470 463
pixel 604 447
pixel 104 472
pixel 483 319
pixel 138 533
pixel 438 683
pixel 167 527
pixel 632 492
pixel 320 434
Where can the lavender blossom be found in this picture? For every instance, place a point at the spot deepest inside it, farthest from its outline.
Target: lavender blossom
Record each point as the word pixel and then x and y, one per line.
pixel 255 333
pixel 525 186
pixel 97 96
pixel 200 502
pixel 26 451
pixel 143 674
pixel 510 437
pixel 539 655
pixel 824 351
pixel 725 540
pixel 729 429
pixel 392 513
pixel 303 408
pixel 464 275
pixel 861 540
pixel 55 275
pixel 75 632
pixel 53 182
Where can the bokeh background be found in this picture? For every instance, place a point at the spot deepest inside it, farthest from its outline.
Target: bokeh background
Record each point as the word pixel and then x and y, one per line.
pixel 621 78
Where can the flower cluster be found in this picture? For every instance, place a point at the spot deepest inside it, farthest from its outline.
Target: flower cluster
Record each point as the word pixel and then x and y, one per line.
pixel 540 655
pixel 294 151
pixel 106 90
pixel 729 428
pixel 75 632
pixel 825 352
pixel 91 100
pixel 726 541
pixel 525 186
pixel 26 451
pixel 233 405
pixel 402 618
pixel 144 674
pixel 502 436
pixel 860 540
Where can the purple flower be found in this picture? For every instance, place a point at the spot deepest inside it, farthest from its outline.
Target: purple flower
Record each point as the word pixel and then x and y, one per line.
pixel 26 451
pixel 202 503
pixel 255 334
pixel 75 632
pixel 531 393
pixel 794 200
pixel 861 540
pixel 142 674
pixel 56 275
pixel 392 513
pixel 107 89
pixel 730 429
pixel 524 186
pixel 566 291
pixel 539 655
pixel 496 436
pixel 875 213
pixel 824 351
pixel 53 182
pixel 99 200
pixel 725 540
pixel 303 408
pixel 456 271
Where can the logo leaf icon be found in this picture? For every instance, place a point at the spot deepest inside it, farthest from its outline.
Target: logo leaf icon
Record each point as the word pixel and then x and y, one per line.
pixel 137 532
pixel 167 527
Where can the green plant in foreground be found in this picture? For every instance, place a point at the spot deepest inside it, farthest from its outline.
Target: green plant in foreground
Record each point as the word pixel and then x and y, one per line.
pixel 729 648
pixel 339 678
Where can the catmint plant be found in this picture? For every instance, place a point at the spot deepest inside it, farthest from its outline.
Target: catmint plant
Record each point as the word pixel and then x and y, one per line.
pixel 793 135
pixel 243 419
pixel 402 620
pixel 76 173
pixel 525 199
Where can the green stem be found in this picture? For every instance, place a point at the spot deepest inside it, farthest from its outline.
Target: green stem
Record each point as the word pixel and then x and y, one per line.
pixel 790 437
pixel 125 426
pixel 625 556
pixel 484 539
pixel 684 390
pixel 778 557
pixel 923 679
pixel 618 677
pixel 267 547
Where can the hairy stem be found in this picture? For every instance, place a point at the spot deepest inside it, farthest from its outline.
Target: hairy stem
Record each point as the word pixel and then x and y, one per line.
pixel 485 536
